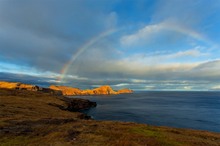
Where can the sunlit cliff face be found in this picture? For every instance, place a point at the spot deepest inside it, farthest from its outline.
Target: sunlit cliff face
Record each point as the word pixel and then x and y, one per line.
pixel 142 45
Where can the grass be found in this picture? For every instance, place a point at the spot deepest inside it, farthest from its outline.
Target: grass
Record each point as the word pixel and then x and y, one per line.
pixel 159 136
pixel 34 118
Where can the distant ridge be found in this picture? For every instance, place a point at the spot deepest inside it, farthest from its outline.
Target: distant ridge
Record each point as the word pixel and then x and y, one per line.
pixel 103 90
pixel 64 90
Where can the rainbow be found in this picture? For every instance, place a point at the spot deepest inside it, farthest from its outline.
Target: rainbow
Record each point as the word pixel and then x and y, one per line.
pixel 80 50
pixel 189 32
pixel 89 43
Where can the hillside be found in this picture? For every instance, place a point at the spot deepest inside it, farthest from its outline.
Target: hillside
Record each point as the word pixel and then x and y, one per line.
pixel 37 118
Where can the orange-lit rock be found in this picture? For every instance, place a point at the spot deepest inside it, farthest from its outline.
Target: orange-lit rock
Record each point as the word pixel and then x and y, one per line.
pixel 19 86
pixel 9 85
pixel 122 91
pixel 67 90
pixel 103 90
pixel 63 90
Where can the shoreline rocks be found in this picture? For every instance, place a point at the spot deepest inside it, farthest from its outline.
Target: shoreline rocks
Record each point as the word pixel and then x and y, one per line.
pixel 77 104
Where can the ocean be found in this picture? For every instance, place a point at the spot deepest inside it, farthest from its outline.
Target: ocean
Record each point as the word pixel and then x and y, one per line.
pixel 194 110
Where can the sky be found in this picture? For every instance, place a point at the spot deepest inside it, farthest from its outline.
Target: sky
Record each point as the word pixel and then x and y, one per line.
pixel 161 45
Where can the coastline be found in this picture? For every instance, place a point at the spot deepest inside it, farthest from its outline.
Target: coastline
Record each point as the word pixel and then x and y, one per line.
pixel 34 118
pixel 198 110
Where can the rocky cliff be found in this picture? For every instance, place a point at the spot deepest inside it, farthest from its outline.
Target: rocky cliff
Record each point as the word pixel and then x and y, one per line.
pixel 67 90
pixel 122 91
pixel 103 90
pixel 63 90
pixel 19 86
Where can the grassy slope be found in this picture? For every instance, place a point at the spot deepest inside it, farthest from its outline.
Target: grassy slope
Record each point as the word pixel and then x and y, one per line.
pixel 30 118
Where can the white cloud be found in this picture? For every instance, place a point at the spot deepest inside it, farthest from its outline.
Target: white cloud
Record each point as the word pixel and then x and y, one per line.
pixel 163 58
pixel 142 34
pixel 75 77
pixel 148 32
pixel 121 84
pixel 138 81
pixel 192 52
pixel 150 87
pixel 142 69
pixel 216 87
pixel 187 87
pixel 195 52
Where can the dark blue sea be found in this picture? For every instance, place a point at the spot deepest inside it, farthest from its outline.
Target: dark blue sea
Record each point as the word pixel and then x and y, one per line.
pixel 195 110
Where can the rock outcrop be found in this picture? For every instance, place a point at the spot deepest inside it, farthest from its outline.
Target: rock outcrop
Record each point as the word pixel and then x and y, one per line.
pixel 67 90
pixel 122 91
pixel 63 90
pixel 77 104
pixel 103 90
pixel 19 86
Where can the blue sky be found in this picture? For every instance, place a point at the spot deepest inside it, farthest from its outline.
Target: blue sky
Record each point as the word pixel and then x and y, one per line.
pixel 137 44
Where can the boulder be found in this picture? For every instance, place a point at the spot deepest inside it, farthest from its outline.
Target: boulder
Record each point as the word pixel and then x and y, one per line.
pixel 77 104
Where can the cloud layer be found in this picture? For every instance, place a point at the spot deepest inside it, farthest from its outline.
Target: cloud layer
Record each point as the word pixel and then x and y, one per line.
pixel 153 45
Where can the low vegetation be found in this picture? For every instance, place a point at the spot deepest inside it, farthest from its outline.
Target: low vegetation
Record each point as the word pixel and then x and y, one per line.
pixel 35 118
